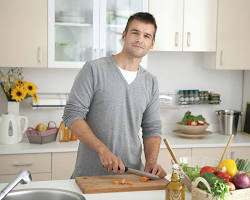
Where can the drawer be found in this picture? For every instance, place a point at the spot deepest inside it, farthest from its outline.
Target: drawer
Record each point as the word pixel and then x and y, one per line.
pixel 35 163
pixel 35 177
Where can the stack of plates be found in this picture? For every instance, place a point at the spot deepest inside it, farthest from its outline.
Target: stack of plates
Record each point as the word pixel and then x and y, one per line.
pixel 191 131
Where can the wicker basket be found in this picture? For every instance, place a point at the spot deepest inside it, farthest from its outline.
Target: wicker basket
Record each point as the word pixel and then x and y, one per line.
pixel 199 194
pixel 37 137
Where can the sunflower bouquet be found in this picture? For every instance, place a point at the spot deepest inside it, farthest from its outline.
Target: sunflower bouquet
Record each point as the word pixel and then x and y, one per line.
pixel 14 86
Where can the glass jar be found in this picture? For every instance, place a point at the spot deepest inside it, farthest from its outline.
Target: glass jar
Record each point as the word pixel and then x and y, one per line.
pixel 186 97
pixel 196 96
pixel 191 96
pixel 181 98
pixel 175 189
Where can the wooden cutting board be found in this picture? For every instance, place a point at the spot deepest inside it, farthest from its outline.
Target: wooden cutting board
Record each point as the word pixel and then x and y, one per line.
pixel 102 184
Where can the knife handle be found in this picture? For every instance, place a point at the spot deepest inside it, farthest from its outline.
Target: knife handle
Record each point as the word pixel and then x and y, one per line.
pixel 126 168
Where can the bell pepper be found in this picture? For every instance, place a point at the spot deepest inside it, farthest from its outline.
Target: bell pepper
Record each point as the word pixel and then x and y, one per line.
pixel 207 169
pixel 229 167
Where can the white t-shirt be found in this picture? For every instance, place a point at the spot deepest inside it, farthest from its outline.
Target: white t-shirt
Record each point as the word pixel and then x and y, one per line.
pixel 128 75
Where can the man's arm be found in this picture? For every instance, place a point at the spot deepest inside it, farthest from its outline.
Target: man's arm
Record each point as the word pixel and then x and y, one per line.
pixel 151 151
pixel 84 133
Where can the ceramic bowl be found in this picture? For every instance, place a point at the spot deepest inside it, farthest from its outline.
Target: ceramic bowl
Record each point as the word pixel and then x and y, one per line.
pixel 191 129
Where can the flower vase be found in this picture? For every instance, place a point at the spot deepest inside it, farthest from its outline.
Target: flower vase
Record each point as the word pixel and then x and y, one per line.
pixel 13 107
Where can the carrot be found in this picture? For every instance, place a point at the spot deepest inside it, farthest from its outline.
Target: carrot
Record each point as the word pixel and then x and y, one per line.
pixel 116 182
pixel 144 179
pixel 130 183
pixel 123 181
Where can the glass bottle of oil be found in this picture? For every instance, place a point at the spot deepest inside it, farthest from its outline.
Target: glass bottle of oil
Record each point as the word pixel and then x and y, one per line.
pixel 175 190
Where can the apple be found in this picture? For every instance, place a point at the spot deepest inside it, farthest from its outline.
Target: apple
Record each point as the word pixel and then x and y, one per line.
pixel 41 127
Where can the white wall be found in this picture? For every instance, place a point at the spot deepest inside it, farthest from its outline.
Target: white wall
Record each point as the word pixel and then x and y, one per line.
pixel 174 71
pixel 177 71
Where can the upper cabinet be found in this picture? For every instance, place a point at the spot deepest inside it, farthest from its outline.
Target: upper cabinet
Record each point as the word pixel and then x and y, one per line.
pixel 82 30
pixel 23 35
pixel 233 31
pixel 185 25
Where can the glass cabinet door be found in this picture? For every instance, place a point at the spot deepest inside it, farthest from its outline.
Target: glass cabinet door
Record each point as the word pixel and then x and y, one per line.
pixel 71 32
pixel 115 15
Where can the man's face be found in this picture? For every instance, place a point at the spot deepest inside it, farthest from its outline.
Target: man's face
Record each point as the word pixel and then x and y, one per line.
pixel 138 39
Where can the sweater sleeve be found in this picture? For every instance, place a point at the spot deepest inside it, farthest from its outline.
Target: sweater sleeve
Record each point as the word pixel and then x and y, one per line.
pixel 80 96
pixel 151 123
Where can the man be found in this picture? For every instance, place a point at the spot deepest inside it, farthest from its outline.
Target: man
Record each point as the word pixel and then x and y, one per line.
pixel 110 100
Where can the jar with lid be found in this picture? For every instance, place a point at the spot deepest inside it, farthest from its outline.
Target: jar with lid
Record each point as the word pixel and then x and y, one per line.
pixel 196 96
pixel 186 97
pixel 191 96
pixel 181 98
pixel 201 94
pixel 206 96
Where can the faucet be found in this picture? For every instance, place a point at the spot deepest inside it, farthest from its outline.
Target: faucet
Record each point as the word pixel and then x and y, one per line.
pixel 22 177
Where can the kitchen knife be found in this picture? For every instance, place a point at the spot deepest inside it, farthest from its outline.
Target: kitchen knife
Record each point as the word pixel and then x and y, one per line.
pixel 141 173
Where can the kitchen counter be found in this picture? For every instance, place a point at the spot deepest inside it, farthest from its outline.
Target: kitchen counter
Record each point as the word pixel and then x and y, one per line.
pixel 213 140
pixel 72 186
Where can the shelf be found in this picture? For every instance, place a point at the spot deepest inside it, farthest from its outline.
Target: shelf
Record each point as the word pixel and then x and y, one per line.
pixel 172 107
pixel 72 24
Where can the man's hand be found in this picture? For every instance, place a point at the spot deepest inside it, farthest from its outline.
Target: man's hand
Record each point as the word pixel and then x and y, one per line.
pixel 110 161
pixel 155 169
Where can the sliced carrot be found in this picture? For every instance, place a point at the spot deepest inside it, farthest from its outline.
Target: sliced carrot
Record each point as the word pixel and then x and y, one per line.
pixel 130 183
pixel 123 181
pixel 116 182
pixel 144 179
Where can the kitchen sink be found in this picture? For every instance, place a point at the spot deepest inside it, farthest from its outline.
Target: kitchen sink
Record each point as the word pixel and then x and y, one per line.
pixel 41 194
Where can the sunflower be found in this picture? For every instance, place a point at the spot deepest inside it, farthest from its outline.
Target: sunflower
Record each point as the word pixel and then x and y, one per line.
pixel 18 93
pixel 35 97
pixel 30 87
pixel 19 82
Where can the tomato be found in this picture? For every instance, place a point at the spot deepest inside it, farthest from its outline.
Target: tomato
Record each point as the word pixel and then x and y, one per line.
pixel 207 169
pixel 223 176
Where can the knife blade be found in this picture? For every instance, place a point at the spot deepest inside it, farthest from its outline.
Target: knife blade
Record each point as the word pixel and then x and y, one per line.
pixel 141 173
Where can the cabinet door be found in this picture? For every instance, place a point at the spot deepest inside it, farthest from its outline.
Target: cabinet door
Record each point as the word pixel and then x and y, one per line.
pixel 233 41
pixel 169 19
pixel 207 156
pixel 72 32
pixel 200 20
pixel 240 152
pixel 113 18
pixel 23 35
pixel 63 165
pixel 164 158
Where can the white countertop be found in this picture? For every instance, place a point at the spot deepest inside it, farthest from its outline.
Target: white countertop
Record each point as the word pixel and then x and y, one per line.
pixel 213 140
pixel 72 186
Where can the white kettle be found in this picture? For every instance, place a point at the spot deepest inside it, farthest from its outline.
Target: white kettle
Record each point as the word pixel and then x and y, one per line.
pixel 10 128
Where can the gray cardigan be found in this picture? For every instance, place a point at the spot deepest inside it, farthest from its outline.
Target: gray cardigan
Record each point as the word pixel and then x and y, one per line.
pixel 115 111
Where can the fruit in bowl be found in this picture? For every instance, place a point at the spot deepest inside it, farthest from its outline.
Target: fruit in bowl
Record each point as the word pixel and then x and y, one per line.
pixel 41 127
pixel 192 124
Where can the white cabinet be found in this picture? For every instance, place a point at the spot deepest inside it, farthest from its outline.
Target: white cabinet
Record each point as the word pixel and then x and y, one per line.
pixel 233 41
pixel 23 35
pixel 63 165
pixel 82 30
pixel 39 164
pixel 185 25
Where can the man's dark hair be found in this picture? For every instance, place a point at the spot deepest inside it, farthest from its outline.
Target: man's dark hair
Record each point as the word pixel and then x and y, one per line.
pixel 143 17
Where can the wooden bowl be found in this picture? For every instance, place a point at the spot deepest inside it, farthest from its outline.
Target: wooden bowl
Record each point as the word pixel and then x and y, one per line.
pixel 191 129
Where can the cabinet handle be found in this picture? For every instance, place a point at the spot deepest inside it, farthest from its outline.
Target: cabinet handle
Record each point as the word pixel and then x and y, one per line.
pixel 221 57
pixel 176 39
pixel 39 55
pixel 188 38
pixel 22 164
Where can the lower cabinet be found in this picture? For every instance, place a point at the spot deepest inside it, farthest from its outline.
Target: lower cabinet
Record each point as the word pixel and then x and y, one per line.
pixel 39 164
pixel 164 158
pixel 63 165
